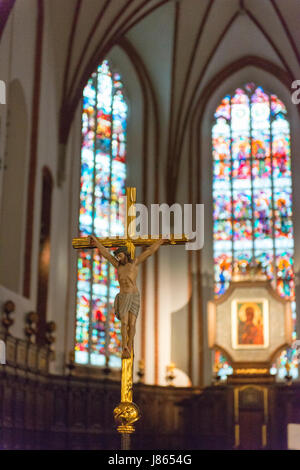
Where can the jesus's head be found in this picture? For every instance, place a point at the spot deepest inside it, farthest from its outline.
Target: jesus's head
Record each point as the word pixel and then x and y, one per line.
pixel 123 255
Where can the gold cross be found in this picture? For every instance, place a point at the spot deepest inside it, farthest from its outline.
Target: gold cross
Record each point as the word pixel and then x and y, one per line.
pixel 127 413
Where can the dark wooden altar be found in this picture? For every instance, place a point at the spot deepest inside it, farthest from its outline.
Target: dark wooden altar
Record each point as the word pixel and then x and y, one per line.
pixel 39 410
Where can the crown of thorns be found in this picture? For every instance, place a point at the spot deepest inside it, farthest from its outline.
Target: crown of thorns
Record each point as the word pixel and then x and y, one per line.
pixel 121 249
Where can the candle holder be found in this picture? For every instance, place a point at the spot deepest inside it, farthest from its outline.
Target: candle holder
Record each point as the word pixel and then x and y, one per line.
pixel 107 369
pixel 50 339
pixel 288 378
pixel 71 364
pixel 30 329
pixel 170 374
pixel 7 321
pixel 217 377
pixel 141 371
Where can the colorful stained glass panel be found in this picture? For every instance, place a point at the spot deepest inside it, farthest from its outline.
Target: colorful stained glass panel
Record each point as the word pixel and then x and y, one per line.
pixel 252 194
pixel 103 175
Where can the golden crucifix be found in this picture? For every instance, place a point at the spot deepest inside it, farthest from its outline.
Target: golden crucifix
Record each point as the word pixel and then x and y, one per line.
pixel 126 413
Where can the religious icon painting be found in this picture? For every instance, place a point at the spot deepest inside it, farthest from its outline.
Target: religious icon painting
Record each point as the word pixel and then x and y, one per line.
pixel 250 323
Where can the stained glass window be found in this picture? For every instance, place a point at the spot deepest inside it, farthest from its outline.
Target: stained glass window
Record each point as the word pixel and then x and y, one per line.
pixel 252 197
pixel 103 174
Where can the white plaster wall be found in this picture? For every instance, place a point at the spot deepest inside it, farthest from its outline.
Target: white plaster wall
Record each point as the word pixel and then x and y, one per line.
pixel 148 38
pixel 17 49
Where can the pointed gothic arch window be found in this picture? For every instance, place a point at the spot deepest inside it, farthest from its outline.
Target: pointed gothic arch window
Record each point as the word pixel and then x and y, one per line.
pixel 252 196
pixel 103 175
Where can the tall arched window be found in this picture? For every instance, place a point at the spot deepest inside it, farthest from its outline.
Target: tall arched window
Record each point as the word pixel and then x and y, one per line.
pixel 252 195
pixel 103 174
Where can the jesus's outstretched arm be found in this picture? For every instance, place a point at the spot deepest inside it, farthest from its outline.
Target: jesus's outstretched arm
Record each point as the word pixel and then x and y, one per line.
pixel 104 252
pixel 150 251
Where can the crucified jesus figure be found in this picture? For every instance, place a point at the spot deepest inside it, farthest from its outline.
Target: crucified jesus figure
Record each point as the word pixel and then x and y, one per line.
pixel 127 302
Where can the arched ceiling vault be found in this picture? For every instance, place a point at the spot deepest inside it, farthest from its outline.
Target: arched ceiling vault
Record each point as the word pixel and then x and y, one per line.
pixel 94 27
pixel 200 30
pixel 196 59
pixel 83 31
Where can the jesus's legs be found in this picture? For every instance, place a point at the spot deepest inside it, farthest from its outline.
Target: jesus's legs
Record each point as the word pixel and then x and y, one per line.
pixel 131 330
pixel 124 333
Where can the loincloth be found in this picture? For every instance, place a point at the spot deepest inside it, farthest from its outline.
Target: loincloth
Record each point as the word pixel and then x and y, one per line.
pixel 127 302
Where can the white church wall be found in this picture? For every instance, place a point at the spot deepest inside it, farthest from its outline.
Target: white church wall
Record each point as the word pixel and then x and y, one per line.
pixel 12 211
pixel 174 295
pixel 165 309
pixel 149 325
pixel 17 52
pixel 73 183
pixel 179 306
pixel 48 156
pixel 179 281
pixel 147 37
pixel 5 54
pixel 196 336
